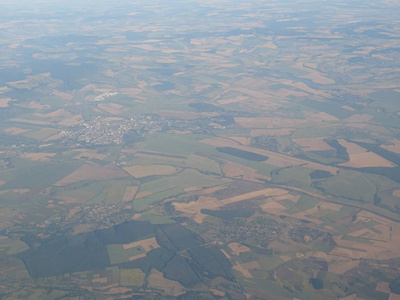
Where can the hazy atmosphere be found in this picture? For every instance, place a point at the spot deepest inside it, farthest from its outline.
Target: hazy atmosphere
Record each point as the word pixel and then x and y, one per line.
pixel 227 150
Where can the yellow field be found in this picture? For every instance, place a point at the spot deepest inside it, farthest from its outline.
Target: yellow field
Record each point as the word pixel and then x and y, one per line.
pixel 268 122
pixel 111 108
pixel 89 154
pixel 244 268
pixel 62 95
pixel 359 157
pixel 132 277
pixel 130 192
pixel 193 209
pixel 383 287
pixel 144 171
pixel 92 172
pixel 313 144
pixel 245 273
pixel 237 248
pixel 359 118
pixel 39 156
pixel 336 264
pixel 395 147
pixel 72 121
pixel 15 130
pixel 147 245
pixel 320 117
pixel 272 131
pixel 4 102
pixel 157 281
pixel 234 170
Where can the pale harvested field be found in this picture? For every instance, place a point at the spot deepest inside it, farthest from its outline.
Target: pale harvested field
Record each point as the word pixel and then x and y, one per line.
pixel 241 140
pixel 147 245
pixel 111 108
pixel 272 131
pixel 269 192
pixel 367 159
pixel 226 254
pixel 62 95
pixel 144 155
pixel 54 114
pixel 213 189
pixel 39 156
pixel 359 157
pixel 354 254
pixel 396 193
pixel 82 228
pixel 284 93
pixel 313 144
pixel 383 287
pixel 36 122
pixel 107 290
pixel 369 234
pixel 220 142
pixel 302 86
pixel 272 204
pixel 93 172
pixel 314 74
pixel 268 122
pixel 89 154
pixel 272 207
pixel 68 199
pixel 245 273
pixel 72 121
pixel 239 99
pixel 394 148
pixel 130 193
pixel 341 266
pixel 4 102
pixel 110 119
pixel 52 138
pixel 178 114
pixel 179 131
pixel 130 91
pixel 15 130
pixel 275 159
pixel 321 117
pixel 144 171
pixel 337 264
pixel 132 258
pixel 217 292
pixel 193 209
pixel 136 216
pixel 317 77
pixel 237 248
pixel 100 280
pixel 251 265
pixel 348 108
pixel 234 170
pixel 359 118
pixel 34 105
pixel 386 249
pixel 351 297
pixel 352 148
pixel 157 281
pixel 303 215
pixel 192 189
pixel 285 258
pixel 143 194
pixel 329 205
pixel 394 297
